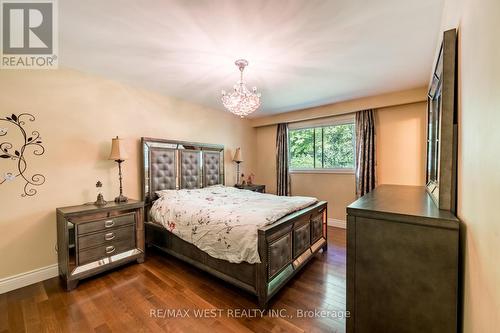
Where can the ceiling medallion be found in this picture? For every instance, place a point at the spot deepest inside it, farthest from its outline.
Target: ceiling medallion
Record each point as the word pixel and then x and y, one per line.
pixel 241 101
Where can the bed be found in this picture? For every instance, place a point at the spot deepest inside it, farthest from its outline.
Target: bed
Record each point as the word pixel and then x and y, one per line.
pixel 176 169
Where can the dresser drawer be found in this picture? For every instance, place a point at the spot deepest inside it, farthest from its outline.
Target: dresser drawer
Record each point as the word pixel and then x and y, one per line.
pixel 109 249
pixel 106 237
pixel 115 221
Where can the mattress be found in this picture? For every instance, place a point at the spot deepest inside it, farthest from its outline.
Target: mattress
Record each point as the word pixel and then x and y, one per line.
pixel 223 221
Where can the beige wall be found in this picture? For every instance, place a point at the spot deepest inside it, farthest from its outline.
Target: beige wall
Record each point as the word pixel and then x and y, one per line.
pixel 371 102
pixel 478 162
pixel 400 153
pixel 266 158
pixel 77 115
pixel 401 136
pixel 337 188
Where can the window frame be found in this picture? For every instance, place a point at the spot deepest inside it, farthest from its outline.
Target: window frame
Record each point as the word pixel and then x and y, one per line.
pixel 350 119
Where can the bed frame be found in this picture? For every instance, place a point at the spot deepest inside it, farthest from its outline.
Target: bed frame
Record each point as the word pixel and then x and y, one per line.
pixel 284 246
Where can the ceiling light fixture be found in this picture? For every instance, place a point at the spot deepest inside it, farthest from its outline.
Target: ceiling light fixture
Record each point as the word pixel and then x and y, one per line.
pixel 241 101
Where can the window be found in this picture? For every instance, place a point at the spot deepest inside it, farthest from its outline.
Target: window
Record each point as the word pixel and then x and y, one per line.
pixel 323 147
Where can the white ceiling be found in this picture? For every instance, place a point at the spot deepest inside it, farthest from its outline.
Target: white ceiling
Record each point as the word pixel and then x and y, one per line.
pixel 301 53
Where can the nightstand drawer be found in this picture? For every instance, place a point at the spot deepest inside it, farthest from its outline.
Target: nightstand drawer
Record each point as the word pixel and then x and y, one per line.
pixel 107 236
pixel 112 222
pixel 109 249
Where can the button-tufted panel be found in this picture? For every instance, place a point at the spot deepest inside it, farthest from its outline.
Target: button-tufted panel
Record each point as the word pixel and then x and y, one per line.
pixel 190 169
pixel 280 254
pixel 211 168
pixel 301 239
pixel 163 169
pixel 316 227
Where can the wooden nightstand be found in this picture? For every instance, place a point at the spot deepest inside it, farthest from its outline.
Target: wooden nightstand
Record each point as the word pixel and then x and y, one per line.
pixel 92 239
pixel 253 187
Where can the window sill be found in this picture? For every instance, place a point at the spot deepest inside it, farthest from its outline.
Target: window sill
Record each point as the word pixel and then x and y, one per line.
pixel 339 171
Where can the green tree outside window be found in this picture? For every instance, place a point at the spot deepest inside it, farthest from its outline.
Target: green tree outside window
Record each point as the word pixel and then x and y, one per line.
pixel 324 147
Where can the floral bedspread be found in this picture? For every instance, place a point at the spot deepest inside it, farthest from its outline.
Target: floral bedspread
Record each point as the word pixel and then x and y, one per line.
pixel 223 221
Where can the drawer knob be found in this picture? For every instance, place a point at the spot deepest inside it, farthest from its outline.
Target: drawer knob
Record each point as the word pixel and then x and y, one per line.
pixel 109 236
pixel 110 249
pixel 109 223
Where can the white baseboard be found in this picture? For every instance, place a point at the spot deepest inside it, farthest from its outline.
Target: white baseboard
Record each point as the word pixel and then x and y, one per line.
pixel 25 279
pixel 336 223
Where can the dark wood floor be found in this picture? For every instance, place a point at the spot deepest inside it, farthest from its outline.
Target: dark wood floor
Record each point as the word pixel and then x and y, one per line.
pixel 127 300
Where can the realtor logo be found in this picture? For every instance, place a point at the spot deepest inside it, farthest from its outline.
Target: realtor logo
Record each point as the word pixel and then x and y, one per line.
pixel 29 39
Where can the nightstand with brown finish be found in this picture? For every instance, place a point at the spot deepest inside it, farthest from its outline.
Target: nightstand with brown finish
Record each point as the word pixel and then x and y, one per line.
pixel 93 239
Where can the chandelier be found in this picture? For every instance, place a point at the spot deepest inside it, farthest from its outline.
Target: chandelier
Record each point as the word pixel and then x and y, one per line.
pixel 241 101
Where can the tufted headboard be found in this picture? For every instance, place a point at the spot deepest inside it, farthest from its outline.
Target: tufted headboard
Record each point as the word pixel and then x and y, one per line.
pixel 168 164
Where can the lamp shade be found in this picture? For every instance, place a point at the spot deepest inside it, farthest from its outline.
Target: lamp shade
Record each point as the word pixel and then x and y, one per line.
pixel 238 156
pixel 117 150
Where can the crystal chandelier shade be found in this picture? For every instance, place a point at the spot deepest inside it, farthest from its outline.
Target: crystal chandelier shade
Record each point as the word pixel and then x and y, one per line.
pixel 241 101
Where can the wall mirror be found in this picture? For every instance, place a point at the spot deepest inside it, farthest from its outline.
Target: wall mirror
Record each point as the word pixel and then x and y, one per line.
pixel 442 127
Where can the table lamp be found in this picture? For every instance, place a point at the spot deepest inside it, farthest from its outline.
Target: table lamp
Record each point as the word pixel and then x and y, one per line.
pixel 238 158
pixel 118 154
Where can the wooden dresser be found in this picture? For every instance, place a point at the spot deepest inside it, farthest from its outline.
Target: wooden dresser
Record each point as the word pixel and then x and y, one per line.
pixel 402 263
pixel 92 239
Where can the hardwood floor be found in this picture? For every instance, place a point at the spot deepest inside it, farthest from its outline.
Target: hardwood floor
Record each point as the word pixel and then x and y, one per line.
pixel 137 298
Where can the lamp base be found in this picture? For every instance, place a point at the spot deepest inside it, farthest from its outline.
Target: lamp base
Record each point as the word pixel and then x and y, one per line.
pixel 238 173
pixel 121 198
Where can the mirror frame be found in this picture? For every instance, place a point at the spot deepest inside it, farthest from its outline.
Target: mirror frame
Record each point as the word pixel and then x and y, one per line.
pixel 442 114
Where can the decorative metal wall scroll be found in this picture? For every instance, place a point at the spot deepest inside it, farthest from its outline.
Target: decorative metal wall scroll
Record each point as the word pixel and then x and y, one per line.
pixel 21 152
